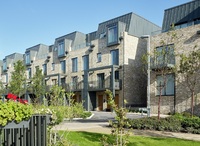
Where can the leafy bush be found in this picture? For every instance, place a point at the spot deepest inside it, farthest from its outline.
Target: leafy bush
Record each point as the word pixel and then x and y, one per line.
pixel 14 111
pixel 175 123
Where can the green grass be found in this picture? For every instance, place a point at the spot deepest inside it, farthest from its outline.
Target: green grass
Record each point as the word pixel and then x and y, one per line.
pixel 93 139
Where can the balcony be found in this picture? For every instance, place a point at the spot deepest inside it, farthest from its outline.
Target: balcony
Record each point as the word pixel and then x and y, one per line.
pixel 72 86
pixel 157 65
pixel 106 84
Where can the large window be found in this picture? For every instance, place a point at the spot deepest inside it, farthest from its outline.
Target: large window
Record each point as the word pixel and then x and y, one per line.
pixel 74 64
pixel 112 35
pixel 61 49
pixel 165 84
pixel 63 66
pixel 85 62
pixel 44 66
pixel 165 55
pixel 114 57
pixel 27 58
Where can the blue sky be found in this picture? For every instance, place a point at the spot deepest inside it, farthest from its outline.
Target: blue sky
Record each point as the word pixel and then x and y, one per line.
pixel 25 23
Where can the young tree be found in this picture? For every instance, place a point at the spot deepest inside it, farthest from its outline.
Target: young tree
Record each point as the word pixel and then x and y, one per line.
pixel 56 95
pixel 189 71
pixel 37 85
pixel 118 126
pixel 17 85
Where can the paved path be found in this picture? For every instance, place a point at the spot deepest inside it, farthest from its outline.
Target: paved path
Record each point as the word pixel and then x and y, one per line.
pixel 99 124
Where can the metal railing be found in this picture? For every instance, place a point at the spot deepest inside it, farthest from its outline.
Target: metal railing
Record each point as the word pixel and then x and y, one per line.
pixel 32 134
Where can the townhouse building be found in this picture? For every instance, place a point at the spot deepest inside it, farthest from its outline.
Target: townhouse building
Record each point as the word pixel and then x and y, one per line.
pixel 8 66
pixel 176 95
pixel 109 58
pixel 88 64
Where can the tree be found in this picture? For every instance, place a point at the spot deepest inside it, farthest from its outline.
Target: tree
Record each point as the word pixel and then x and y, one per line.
pixel 37 85
pixel 189 71
pixel 56 95
pixel 118 126
pixel 17 85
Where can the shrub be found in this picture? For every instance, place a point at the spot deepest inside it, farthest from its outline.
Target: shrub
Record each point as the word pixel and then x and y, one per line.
pixel 175 123
pixel 14 111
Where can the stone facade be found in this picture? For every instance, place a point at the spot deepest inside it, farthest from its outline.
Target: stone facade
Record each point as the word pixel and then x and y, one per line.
pixel 185 42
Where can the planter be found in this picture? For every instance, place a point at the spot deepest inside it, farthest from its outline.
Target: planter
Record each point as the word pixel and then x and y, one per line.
pixel 11 125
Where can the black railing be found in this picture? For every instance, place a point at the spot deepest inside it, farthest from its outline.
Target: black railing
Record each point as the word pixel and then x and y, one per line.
pixel 33 133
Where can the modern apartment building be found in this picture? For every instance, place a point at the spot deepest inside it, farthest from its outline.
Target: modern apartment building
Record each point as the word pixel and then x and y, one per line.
pixel 88 64
pixel 176 96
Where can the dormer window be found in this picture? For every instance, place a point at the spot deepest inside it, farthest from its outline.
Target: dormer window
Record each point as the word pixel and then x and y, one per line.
pixel 27 58
pixel 112 37
pixel 61 49
pixel 4 65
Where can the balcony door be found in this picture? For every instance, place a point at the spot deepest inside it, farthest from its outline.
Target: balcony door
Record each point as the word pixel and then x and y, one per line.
pixel 100 80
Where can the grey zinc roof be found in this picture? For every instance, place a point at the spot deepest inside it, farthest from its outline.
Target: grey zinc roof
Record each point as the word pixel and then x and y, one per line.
pixel 134 25
pixel 181 14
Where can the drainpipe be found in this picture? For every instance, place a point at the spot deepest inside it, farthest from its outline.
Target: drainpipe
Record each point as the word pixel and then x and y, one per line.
pixel 148 74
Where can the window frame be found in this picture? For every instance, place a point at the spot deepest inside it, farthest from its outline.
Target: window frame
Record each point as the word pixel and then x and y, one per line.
pixel 63 66
pixel 61 48
pixel 163 58
pixel 99 57
pixel 44 69
pixel 114 57
pixel 167 87
pixel 27 58
pixel 75 64
pixel 112 35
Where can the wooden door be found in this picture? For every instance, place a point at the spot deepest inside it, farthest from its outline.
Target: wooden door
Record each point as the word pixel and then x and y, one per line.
pixel 100 102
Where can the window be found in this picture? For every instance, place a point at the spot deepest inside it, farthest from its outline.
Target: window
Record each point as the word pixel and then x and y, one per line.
pixel 63 80
pixel 29 73
pixel 114 57
pixel 165 84
pixel 112 35
pixel 100 80
pixel 99 57
pixel 44 66
pixel 4 65
pixel 6 78
pixel 165 55
pixel 63 67
pixel 53 66
pixel 74 64
pixel 27 58
pixel 61 49
pixel 85 62
pixel 75 82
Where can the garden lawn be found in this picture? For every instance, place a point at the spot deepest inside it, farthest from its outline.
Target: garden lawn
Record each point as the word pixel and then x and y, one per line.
pixel 93 139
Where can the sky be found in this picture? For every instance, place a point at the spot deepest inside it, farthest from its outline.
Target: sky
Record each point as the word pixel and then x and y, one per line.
pixel 26 23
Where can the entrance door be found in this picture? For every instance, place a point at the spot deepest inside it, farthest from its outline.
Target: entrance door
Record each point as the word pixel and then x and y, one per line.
pixel 117 100
pixel 100 102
